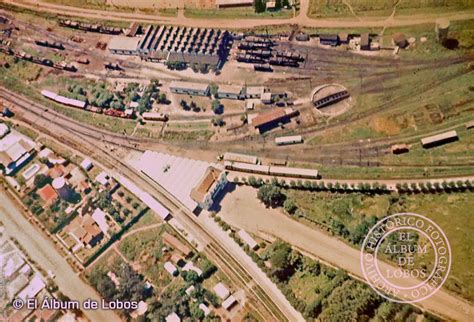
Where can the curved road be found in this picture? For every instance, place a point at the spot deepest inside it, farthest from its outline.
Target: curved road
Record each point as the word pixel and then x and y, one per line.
pixel 302 19
pixel 238 209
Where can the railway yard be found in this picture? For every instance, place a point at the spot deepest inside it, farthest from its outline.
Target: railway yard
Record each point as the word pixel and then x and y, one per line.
pixel 343 113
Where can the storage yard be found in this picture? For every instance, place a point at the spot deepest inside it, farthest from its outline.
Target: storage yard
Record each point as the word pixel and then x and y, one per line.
pixel 250 107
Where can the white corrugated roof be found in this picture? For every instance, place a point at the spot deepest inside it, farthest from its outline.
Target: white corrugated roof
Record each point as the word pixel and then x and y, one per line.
pixel 177 175
pixel 189 85
pixel 123 43
pixel 247 239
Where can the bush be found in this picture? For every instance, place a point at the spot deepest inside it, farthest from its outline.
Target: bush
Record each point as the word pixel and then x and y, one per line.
pixel 290 206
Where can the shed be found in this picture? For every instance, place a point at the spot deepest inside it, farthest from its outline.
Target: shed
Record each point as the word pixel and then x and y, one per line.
pixel 365 41
pixel 247 239
pixel 302 36
pixel 343 37
pixel 329 39
pixel 170 268
pixel 267 98
pixel 86 164
pixel 229 303
pixel 439 139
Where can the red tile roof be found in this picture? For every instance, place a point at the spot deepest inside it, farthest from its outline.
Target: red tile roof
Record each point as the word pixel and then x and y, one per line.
pixel 48 194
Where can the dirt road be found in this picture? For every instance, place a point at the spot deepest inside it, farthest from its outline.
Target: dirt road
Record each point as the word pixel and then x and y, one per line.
pixel 302 19
pixel 43 252
pixel 241 208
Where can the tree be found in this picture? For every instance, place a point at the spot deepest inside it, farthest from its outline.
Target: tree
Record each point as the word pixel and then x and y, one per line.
pixel 42 180
pixel 214 89
pixel 216 106
pixel 162 98
pixel 259 6
pixel 271 195
pixel 290 206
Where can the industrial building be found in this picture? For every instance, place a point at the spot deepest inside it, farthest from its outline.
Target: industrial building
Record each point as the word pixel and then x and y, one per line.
pixel 231 92
pixel 254 91
pixel 184 45
pixel 189 88
pixel 123 45
pixel 439 139
pixel 269 119
pixel 180 45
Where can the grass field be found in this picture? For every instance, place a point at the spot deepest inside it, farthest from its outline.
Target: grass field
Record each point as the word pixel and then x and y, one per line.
pixel 144 248
pixel 451 211
pixel 337 8
pixel 233 13
pixel 102 5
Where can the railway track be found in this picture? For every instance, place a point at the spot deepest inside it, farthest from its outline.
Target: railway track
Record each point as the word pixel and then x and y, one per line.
pixel 330 154
pixel 213 248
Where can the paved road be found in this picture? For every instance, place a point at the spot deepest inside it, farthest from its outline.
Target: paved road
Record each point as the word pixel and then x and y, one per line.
pixel 302 19
pixel 242 209
pixel 42 251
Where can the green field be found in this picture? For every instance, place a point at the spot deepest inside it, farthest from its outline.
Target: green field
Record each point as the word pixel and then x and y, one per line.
pixel 349 216
pixel 337 8
pixel 234 13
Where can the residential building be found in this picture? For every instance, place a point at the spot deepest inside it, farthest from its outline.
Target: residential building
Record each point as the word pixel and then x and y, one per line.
pixel 170 268
pixel 86 164
pixel 48 195
pixel 221 291
pixel 4 130
pixel 16 153
pixel 85 230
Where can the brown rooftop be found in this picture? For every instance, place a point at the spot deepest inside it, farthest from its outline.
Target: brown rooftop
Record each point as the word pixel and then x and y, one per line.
pixel 268 117
pixel 210 177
